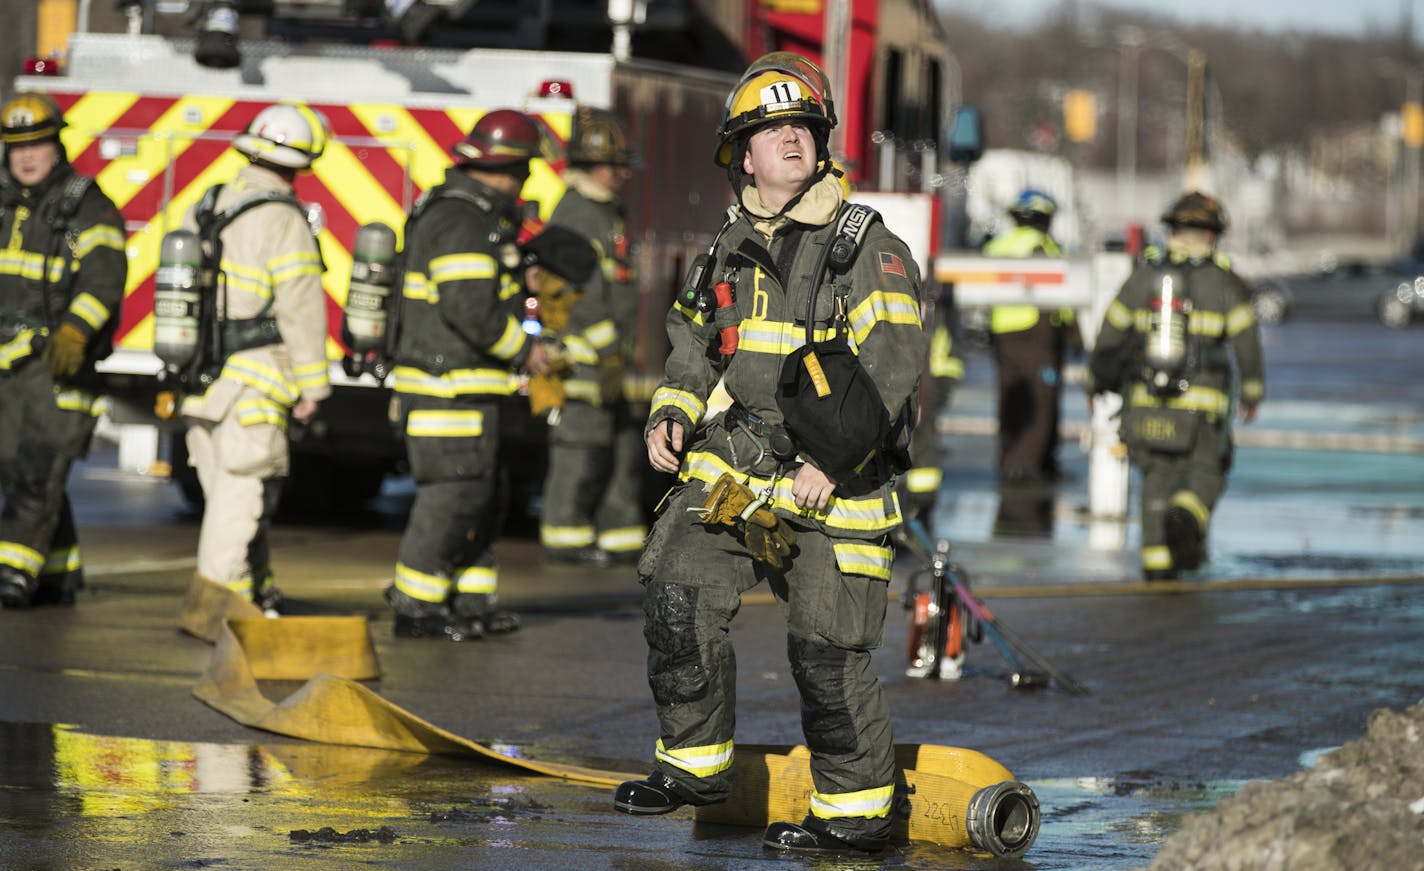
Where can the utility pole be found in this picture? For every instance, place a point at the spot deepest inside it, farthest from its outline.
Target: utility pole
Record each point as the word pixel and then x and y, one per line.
pixel 1129 41
pixel 1412 133
pixel 1196 118
pixel 835 52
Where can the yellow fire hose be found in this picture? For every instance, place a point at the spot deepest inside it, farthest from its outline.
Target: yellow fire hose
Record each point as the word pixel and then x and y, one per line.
pixel 945 795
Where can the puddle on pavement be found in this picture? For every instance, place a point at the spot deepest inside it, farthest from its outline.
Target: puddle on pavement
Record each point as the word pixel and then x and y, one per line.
pixel 69 799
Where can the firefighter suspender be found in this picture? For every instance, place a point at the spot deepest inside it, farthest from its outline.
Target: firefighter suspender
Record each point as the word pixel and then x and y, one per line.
pixel 61 227
pixel 378 360
pixel 190 336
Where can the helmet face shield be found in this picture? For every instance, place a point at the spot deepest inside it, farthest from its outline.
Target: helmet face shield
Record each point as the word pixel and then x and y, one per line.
pixel 801 68
pixel 30 117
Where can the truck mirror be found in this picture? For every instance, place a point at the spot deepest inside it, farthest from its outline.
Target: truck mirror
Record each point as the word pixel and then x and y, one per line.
pixel 966 135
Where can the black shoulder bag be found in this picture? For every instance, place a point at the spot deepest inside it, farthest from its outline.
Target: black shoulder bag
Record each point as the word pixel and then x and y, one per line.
pixel 830 405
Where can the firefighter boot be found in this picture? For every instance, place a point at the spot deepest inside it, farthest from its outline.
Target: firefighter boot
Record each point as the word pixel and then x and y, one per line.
pixel 270 600
pixel 480 607
pixel 814 835
pixel 1184 538
pixel 584 556
pixel 657 794
pixel 440 627
pixel 417 619
pixel 17 589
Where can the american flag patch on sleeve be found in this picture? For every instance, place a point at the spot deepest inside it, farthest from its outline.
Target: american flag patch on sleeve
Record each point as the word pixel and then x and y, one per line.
pixel 891 263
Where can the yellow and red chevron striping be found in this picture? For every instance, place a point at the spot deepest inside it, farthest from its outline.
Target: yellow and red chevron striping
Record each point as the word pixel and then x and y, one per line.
pixel 155 155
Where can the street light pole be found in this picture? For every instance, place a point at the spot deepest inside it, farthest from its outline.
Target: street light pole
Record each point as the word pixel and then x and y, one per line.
pixel 1129 40
pixel 1413 138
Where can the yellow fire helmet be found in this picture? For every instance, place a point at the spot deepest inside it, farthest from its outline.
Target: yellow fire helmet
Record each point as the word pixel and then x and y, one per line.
pixel 775 87
pixel 30 117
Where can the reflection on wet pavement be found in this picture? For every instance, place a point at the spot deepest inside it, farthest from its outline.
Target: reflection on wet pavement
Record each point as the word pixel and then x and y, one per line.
pixel 88 801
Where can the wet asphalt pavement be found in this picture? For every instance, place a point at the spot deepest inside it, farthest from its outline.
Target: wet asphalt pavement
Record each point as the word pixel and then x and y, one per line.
pixel 1307 618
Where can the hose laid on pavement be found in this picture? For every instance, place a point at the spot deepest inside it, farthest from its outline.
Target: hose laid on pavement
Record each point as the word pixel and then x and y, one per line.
pixel 946 795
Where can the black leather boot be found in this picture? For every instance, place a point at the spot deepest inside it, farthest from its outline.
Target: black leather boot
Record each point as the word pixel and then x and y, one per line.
pixel 815 836
pixel 439 627
pixel 1184 538
pixel 657 794
pixel 17 589
pixel 270 600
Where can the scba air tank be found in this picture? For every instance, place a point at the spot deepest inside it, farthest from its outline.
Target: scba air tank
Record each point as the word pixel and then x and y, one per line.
pixel 373 255
pixel 1167 340
pixel 178 299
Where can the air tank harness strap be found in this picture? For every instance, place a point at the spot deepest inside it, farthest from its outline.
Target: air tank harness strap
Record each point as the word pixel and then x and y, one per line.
pixel 248 333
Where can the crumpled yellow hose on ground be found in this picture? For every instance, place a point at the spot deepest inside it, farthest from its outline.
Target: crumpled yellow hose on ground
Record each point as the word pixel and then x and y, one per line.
pixel 946 795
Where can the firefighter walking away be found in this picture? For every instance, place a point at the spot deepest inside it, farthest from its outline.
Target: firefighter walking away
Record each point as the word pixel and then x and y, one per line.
pixel 1167 346
pixel 61 283
pixel 807 310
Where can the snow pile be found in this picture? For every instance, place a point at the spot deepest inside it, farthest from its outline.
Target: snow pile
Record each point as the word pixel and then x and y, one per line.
pixel 1361 807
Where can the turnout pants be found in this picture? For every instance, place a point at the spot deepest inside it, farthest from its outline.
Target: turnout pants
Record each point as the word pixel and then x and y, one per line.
pixel 621 526
pixel 39 442
pixel 1193 480
pixel 592 490
pixel 695 576
pixel 446 558
pixel 242 470
pixel 1029 364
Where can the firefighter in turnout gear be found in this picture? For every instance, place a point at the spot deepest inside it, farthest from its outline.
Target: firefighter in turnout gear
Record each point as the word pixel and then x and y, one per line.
pixel 750 506
pixel 919 486
pixel 1029 345
pixel 1166 346
pixel 459 346
pixel 592 502
pixel 62 278
pixel 268 310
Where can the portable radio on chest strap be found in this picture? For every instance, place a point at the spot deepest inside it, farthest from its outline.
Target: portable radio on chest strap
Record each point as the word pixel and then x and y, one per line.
pixel 63 233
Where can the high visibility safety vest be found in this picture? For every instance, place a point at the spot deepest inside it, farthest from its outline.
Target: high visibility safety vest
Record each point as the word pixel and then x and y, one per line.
pixel 1018 242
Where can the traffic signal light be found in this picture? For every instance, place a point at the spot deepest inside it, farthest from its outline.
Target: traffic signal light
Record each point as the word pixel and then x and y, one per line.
pixel 1080 115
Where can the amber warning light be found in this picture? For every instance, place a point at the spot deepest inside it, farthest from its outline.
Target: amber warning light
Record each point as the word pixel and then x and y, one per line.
pixel 557 89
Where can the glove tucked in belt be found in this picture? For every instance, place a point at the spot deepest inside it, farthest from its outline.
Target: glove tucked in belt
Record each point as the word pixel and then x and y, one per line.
pixel 731 503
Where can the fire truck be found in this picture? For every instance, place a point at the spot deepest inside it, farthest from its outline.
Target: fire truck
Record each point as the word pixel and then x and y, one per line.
pixel 152 111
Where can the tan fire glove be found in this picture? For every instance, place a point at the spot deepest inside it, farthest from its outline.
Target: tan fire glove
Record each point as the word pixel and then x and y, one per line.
pixel 64 352
pixel 731 503
pixel 546 393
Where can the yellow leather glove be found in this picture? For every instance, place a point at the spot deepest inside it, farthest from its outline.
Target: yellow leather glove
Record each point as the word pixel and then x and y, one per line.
pixel 731 503
pixel 546 393
pixel 64 352
pixel 769 545
pixel 725 502
pixel 165 404
pixel 610 378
